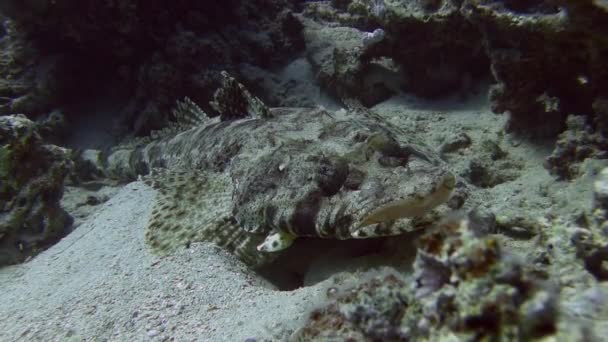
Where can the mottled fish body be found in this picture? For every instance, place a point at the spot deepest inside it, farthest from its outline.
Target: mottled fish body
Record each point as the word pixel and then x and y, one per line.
pixel 253 184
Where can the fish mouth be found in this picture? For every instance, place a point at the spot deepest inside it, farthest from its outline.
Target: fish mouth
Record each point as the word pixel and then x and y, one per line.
pixel 381 220
pixel 382 229
pixel 387 212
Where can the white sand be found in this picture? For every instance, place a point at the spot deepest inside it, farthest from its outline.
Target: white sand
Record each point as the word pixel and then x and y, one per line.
pixel 101 283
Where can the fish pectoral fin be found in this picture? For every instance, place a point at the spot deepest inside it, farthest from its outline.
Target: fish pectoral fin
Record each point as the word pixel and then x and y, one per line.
pixel 189 207
pixel 196 206
pixel 277 241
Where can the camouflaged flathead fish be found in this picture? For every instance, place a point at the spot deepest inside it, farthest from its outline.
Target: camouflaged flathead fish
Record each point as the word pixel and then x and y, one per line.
pixel 254 178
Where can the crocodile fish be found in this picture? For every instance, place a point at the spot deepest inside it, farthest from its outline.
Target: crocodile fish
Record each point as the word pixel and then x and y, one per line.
pixel 254 178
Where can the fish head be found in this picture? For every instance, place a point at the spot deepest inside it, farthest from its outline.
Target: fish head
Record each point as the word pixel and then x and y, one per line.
pixel 340 191
pixel 376 194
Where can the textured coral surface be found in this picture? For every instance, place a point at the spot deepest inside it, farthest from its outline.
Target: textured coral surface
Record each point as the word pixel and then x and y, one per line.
pixel 31 186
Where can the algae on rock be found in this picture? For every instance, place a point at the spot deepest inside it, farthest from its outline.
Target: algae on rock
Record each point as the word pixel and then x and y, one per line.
pixel 31 186
pixel 464 286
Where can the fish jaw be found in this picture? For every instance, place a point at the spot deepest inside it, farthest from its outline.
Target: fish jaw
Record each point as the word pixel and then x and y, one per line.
pixel 381 220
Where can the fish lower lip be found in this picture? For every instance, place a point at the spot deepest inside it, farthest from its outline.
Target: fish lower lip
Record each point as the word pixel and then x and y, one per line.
pixel 389 211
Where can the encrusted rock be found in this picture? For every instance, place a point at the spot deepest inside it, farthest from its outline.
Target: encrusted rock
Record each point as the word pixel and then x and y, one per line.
pixel 149 53
pixel 406 29
pixel 463 287
pixel 578 142
pixel 592 243
pixel 29 81
pixel 547 57
pixel 31 178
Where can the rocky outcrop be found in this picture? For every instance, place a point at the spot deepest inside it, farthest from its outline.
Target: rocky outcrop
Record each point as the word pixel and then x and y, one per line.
pixel 592 241
pixel 150 52
pixel 582 139
pixel 547 58
pixel 31 187
pixel 426 49
pixel 30 82
pixel 464 286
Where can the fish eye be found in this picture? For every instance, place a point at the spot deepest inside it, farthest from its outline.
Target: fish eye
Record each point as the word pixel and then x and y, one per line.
pixel 360 136
pixel 331 174
pixel 355 179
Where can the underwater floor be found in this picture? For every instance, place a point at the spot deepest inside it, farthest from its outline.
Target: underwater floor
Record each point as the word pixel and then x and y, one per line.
pixel 101 281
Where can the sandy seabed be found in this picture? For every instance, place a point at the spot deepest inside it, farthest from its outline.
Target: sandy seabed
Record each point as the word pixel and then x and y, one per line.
pixel 101 283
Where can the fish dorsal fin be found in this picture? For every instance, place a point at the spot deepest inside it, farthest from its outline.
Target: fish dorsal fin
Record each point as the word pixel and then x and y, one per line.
pixel 233 101
pixel 187 115
pixel 195 206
